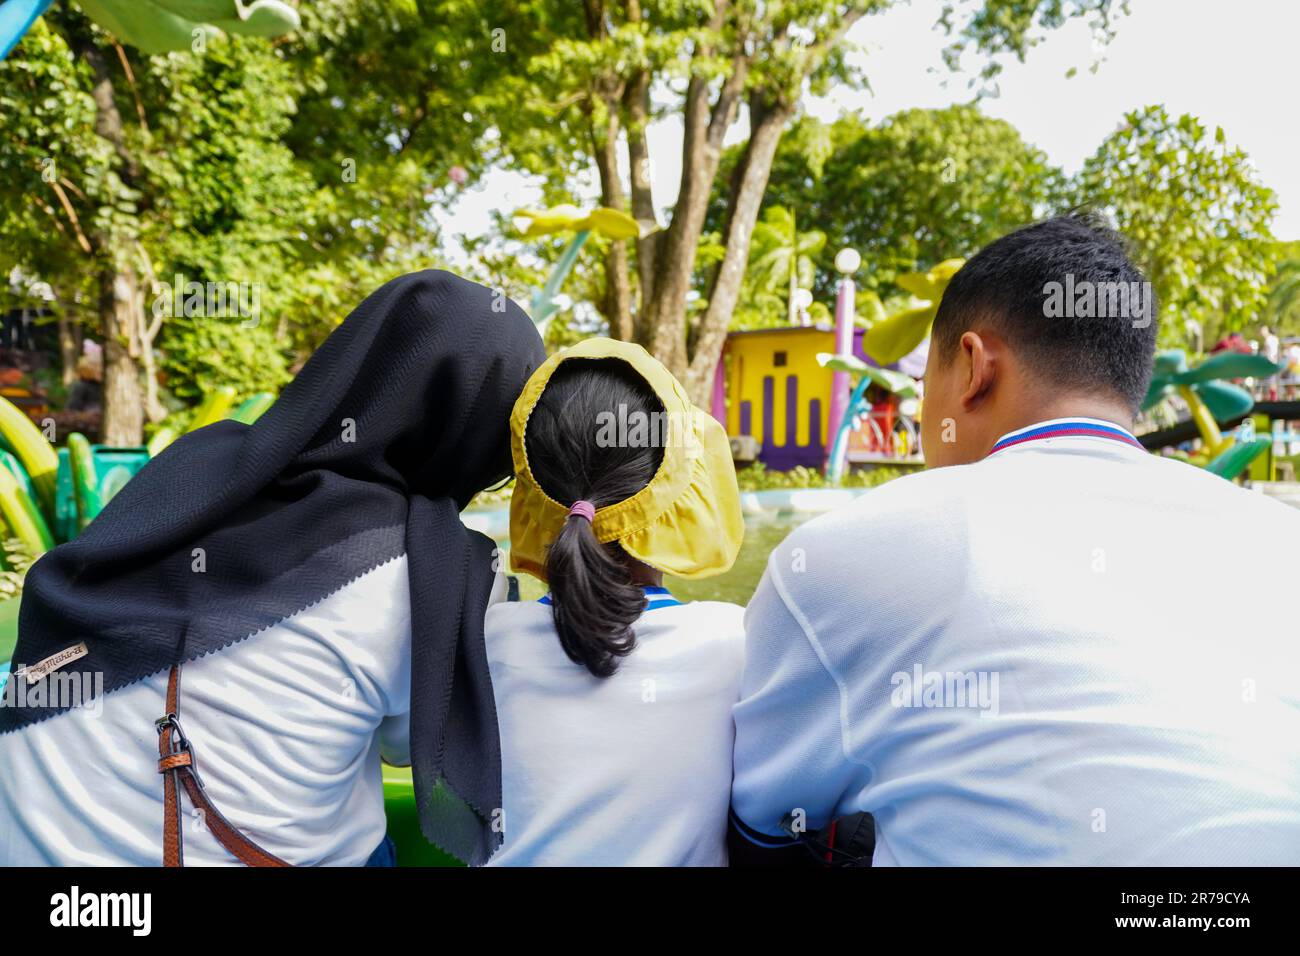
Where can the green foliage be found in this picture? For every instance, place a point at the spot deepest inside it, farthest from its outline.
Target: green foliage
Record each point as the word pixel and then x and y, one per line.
pixel 49 154
pixel 929 184
pixel 200 354
pixel 18 558
pixel 918 188
pixel 236 163
pixel 578 62
pixel 1196 214
pixel 999 27
pixel 203 189
pixel 232 194
pixel 226 193
pixel 781 259
pixel 321 293
pixel 1283 308
pixel 312 166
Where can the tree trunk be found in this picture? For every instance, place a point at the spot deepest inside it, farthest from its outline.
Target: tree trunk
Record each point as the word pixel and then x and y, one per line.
pixel 146 334
pixel 637 102
pixel 618 291
pixel 119 293
pixel 123 407
pixel 618 287
pixel 69 347
pixel 603 117
pixel 766 125
pixel 675 261
pixel 675 257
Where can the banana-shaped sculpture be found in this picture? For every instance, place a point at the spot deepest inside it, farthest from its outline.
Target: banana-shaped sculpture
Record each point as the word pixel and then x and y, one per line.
pixel 894 336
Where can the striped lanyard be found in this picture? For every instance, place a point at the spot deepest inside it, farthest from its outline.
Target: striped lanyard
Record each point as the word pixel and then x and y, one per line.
pixel 655 597
pixel 1067 428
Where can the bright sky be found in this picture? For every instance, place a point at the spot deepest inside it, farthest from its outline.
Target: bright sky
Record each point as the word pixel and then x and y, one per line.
pixel 1232 64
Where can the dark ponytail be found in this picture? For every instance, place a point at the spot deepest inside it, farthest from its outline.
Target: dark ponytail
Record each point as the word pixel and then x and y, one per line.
pixel 593 598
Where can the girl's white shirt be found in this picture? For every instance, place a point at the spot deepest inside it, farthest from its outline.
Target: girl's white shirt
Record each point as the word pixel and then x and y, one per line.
pixel 633 769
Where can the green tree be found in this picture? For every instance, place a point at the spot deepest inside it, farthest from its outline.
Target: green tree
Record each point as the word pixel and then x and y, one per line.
pixel 139 169
pixel 306 168
pixel 781 261
pixel 920 187
pixel 51 161
pixel 1196 213
pixel 709 62
pixel 1283 307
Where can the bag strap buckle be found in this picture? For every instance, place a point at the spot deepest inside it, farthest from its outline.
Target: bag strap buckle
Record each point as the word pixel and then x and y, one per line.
pixel 178 741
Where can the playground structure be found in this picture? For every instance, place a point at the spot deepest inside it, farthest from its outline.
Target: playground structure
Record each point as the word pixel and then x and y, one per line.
pixel 832 397
pixel 1253 429
pixel 774 386
pixel 566 219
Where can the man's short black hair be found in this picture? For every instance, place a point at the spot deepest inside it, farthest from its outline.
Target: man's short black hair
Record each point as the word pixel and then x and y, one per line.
pixel 1065 294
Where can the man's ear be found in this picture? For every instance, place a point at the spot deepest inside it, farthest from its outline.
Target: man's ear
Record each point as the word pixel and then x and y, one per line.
pixel 981 368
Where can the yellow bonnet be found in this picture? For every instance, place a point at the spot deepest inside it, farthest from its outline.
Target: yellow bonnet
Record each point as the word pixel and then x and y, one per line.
pixel 686 521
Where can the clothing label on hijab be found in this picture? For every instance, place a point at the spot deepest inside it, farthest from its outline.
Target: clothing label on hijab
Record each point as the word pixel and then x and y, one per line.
pixel 54 662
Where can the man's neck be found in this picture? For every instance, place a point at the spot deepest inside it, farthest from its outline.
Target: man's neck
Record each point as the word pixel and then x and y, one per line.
pixel 1064 407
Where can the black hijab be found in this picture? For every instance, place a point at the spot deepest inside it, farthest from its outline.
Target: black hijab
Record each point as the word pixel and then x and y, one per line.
pixel 371 452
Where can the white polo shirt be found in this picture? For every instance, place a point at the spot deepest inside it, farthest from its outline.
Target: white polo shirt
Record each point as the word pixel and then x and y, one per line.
pixel 288 728
pixel 1071 652
pixel 628 770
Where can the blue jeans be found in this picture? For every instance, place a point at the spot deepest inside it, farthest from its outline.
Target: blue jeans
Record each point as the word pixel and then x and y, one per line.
pixel 385 854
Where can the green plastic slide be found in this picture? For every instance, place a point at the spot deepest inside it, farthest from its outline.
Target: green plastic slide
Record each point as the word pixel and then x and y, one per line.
pixel 21 437
pixel 22 516
pixel 95 474
pixel 85 484
pixel 253 407
pixel 215 406
pixel 1237 459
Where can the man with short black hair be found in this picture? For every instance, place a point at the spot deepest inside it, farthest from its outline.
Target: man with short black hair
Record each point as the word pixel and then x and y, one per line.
pixel 1057 306
pixel 1050 648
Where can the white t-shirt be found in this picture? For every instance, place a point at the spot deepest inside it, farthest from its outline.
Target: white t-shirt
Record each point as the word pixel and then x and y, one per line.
pixel 1071 652
pixel 633 769
pixel 288 728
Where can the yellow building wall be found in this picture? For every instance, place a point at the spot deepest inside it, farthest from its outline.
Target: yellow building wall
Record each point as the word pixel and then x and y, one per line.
pixel 751 358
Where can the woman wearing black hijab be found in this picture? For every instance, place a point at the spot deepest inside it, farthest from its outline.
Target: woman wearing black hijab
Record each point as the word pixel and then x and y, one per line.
pixel 268 560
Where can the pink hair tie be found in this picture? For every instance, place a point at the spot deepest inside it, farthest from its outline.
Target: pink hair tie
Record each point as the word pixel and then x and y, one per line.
pixel 584 509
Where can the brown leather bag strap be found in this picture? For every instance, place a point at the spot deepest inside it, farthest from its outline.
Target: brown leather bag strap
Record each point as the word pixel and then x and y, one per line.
pixel 176 764
pixel 173 849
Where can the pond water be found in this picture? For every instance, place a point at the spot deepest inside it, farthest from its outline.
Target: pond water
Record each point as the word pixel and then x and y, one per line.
pixel 737 585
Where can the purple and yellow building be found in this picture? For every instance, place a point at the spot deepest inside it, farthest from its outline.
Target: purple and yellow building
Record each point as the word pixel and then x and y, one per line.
pixel 769 386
